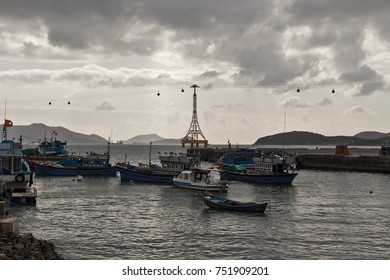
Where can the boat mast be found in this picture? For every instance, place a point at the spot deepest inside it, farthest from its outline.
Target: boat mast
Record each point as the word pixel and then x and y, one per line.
pixel 150 153
pixel 108 149
pixel 284 135
pixel 284 130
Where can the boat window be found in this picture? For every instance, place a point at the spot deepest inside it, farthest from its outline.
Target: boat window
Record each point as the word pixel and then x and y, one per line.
pixel 185 176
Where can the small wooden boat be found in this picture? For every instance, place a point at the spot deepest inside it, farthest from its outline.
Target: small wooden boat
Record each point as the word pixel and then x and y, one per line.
pixel 222 203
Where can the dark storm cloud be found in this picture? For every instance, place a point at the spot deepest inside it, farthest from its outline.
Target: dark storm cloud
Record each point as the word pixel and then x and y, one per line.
pixel 74 24
pixel 266 42
pixel 368 80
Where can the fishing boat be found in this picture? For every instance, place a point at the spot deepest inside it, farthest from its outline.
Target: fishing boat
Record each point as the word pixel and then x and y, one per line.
pixel 145 174
pixel 199 179
pixel 273 170
pixel 222 203
pixel 52 146
pixel 92 164
pixel 15 175
pixel 243 157
pixel 171 165
pixel 178 163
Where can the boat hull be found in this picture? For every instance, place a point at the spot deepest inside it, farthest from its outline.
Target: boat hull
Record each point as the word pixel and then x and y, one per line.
pixel 48 170
pixel 220 203
pixel 282 178
pixel 200 187
pixel 140 176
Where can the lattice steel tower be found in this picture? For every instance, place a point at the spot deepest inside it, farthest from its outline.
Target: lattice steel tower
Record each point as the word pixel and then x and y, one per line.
pixel 192 136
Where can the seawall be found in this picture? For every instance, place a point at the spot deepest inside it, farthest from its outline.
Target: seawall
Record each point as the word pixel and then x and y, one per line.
pixel 360 163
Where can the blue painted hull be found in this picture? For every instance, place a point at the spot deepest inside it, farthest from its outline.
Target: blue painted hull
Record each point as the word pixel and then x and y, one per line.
pixel 142 176
pixel 282 178
pixel 48 170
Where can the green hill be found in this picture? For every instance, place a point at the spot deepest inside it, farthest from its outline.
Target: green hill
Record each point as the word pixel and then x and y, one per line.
pixel 306 138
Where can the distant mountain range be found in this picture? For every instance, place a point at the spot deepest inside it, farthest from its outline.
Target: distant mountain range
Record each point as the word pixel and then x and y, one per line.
pixel 34 132
pixel 154 138
pixel 367 138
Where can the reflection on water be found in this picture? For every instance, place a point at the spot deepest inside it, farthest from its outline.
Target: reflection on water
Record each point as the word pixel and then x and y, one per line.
pixel 323 215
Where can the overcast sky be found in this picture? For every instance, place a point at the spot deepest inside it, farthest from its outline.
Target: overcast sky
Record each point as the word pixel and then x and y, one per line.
pixel 111 58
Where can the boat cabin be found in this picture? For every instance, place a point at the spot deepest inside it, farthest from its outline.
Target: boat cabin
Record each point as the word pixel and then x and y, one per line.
pixel 273 164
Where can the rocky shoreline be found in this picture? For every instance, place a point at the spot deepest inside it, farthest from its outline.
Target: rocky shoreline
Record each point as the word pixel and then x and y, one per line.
pixel 25 246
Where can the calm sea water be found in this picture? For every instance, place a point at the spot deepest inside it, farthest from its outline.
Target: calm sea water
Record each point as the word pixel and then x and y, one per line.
pixel 323 215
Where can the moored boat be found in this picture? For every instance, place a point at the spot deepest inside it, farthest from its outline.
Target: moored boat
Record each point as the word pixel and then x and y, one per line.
pixel 273 170
pixel 199 179
pixel 61 170
pixel 243 157
pixel 222 203
pixel 144 174
pixel 53 146
pixel 178 163
pixel 171 165
pixel 92 164
pixel 15 175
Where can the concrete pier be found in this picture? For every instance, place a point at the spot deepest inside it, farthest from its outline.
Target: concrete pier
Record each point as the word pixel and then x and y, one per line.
pixel 8 224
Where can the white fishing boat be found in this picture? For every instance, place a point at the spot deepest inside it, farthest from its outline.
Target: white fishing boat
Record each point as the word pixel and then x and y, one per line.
pixel 200 180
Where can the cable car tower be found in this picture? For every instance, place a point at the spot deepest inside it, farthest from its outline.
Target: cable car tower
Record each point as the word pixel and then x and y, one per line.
pixel 192 136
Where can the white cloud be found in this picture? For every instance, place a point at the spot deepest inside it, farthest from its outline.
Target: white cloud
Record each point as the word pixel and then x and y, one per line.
pixel 297 102
pixel 358 109
pixel 105 106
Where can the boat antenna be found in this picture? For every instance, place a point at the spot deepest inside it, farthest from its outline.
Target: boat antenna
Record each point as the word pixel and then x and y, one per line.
pixel 4 134
pixel 284 132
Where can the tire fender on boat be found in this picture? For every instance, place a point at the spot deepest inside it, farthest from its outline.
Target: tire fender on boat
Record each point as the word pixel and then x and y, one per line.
pixel 20 178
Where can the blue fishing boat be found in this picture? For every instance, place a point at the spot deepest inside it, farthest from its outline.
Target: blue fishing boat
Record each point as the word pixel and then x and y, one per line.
pixel 171 165
pixel 144 174
pixel 60 170
pixel 222 203
pixel 15 175
pixel 92 164
pixel 243 157
pixel 272 170
pixel 52 146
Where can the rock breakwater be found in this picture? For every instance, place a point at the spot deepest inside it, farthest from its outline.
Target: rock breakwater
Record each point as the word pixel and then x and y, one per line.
pixel 26 247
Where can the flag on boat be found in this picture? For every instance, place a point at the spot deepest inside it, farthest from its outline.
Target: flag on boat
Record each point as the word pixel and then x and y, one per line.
pixel 8 123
